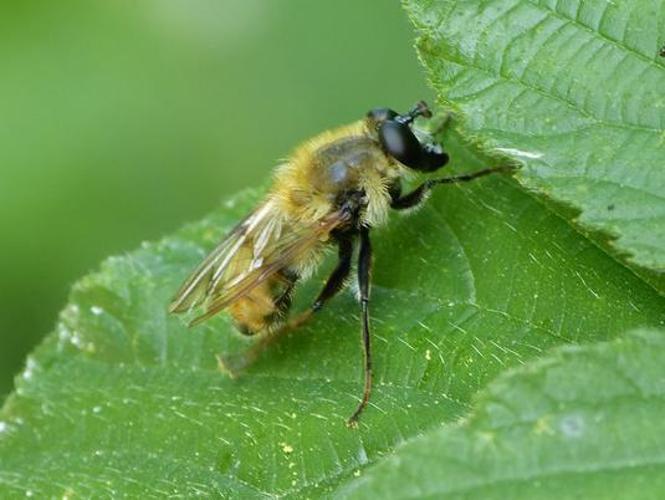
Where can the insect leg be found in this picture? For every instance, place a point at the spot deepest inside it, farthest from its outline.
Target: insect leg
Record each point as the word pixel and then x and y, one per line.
pixel 333 285
pixel 336 280
pixel 283 302
pixel 418 195
pixel 364 279
pixel 234 364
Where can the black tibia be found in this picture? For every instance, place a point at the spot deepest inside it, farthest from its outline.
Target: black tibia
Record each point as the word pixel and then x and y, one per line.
pixel 409 200
pixel 340 273
pixel 364 280
pixel 416 196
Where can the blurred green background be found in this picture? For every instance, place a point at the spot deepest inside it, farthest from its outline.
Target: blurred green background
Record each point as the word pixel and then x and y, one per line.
pixel 120 121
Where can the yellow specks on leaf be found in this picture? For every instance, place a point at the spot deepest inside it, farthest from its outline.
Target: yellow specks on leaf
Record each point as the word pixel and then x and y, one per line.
pixel 542 426
pixel 286 448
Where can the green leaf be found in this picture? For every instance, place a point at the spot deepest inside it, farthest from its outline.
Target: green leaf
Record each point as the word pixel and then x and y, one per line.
pixel 123 399
pixel 573 91
pixel 583 422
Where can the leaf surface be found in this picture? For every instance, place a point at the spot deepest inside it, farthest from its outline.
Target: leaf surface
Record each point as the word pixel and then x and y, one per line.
pixel 573 91
pixel 539 433
pixel 123 399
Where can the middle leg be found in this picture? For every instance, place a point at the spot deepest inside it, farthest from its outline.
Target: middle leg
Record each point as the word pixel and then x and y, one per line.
pixel 334 283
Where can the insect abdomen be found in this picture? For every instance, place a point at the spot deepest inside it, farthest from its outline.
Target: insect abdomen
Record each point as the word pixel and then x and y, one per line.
pixel 264 308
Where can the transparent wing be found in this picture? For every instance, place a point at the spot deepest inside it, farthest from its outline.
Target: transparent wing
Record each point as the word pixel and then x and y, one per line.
pixel 257 248
pixel 195 288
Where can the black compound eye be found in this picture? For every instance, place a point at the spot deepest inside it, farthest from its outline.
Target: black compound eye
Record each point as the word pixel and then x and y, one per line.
pixel 380 115
pixel 399 142
pixel 433 158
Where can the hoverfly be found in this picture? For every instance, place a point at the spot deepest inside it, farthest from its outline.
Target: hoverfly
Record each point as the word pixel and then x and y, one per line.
pixel 332 191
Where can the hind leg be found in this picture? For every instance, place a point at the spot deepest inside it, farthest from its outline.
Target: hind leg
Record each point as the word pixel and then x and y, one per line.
pixel 233 365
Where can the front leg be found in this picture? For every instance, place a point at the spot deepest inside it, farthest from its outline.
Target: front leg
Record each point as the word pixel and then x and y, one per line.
pixel 418 195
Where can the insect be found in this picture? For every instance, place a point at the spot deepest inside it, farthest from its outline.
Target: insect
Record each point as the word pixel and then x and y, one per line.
pixel 332 191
